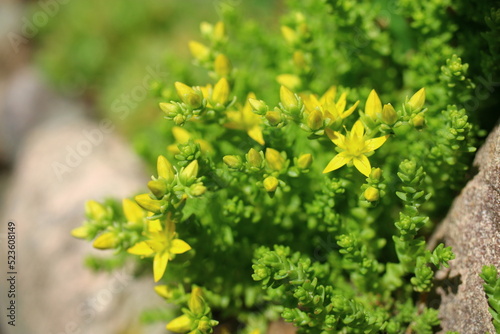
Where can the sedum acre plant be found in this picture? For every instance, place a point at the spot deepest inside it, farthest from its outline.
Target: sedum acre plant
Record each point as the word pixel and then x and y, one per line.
pixel 300 178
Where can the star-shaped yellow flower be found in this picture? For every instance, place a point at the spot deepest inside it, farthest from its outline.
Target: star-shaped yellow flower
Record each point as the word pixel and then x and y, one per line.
pixel 163 244
pixel 354 148
pixel 245 119
pixel 327 106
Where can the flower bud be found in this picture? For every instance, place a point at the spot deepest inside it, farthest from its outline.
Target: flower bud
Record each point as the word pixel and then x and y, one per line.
pixel 274 159
pixel 107 240
pixel 389 115
pixel 188 95
pixel 373 105
pixel 206 29
pixel 165 169
pixel 199 51
pixel 270 184
pixel 148 204
pixel 254 158
pixel 288 99
pixel 158 188
pixel 180 324
pixel 418 121
pixel 220 33
pixel 81 232
pixel 163 291
pixel 371 194
pixel 232 161
pixel 198 189
pixel 220 94
pixel 376 173
pixel 190 172
pixel 299 60
pixel 289 34
pixel 95 210
pixel 196 303
pixel 274 117
pixel 315 120
pixel 179 119
pixel 170 109
pixel 258 106
pixel 222 66
pixel 417 100
pixel 304 161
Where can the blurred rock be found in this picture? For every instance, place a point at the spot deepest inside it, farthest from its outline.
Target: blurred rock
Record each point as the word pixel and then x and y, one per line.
pixel 472 228
pixel 62 163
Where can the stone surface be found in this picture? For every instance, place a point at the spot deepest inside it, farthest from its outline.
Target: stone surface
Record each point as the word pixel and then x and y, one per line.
pixel 472 228
pixel 45 197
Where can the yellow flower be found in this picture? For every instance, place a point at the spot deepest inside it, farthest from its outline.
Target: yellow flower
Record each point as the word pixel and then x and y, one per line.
pixel 354 148
pixel 163 244
pixel 330 109
pixel 245 119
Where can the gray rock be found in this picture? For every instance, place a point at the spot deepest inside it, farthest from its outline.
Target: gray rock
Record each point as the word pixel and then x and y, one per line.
pixel 61 164
pixel 472 228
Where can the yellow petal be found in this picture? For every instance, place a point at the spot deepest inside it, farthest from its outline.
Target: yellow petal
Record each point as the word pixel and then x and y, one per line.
pixel 133 212
pixel 358 129
pixel 141 248
pixel 342 101
pixel 349 111
pixel 373 144
pixel 338 161
pixel 179 246
pixel 329 95
pixel 373 105
pixel 180 324
pixel 337 138
pixel 160 265
pixel 362 163
pixel 154 226
pixel 256 134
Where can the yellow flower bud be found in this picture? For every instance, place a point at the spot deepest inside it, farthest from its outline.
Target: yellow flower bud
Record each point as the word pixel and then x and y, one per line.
pixel 222 65
pixel 315 120
pixel 196 303
pixel 270 184
pixel 95 210
pixel 288 99
pixel 304 161
pixel 206 29
pixel 376 173
pixel 373 105
pixel 220 94
pixel 199 51
pixel 198 190
pixel 158 188
pixel 389 115
pixel 254 158
pixel 299 60
pixel 180 324
pixel 81 232
pixel 165 169
pixel 148 204
pixel 258 105
pixel 188 95
pixel 163 291
pixel 190 172
pixel 179 119
pixel 274 117
pixel 289 34
pixel 371 194
pixel 169 109
pixel 232 161
pixel 181 135
pixel 418 121
pixel 220 34
pixel 417 100
pixel 274 159
pixel 290 81
pixel 107 240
